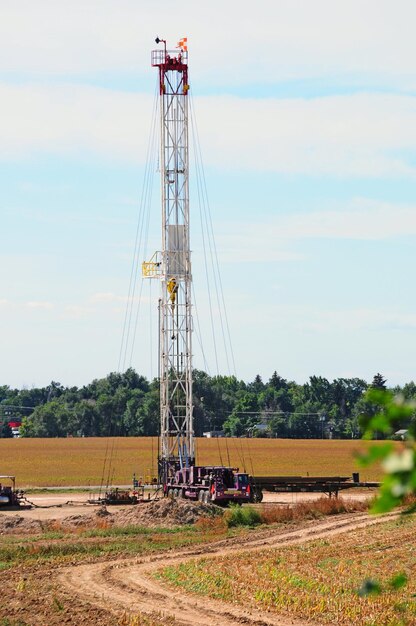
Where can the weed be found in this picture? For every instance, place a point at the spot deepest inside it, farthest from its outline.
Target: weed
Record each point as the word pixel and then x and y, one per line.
pixel 214 525
pixel 53 534
pixel 140 619
pixel 122 531
pixel 57 604
pixel 242 516
pixel 54 526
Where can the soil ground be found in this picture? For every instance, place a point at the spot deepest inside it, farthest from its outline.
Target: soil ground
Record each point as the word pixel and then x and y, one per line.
pixel 52 505
pixel 121 591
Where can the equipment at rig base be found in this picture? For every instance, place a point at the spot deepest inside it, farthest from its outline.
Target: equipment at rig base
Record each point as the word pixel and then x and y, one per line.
pixel 9 495
pixel 217 484
pixel 124 496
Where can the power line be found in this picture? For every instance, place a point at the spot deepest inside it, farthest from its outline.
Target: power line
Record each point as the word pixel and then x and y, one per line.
pixel 13 406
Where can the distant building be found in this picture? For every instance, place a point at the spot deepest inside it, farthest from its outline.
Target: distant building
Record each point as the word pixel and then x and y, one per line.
pixel 401 434
pixel 259 430
pixel 214 433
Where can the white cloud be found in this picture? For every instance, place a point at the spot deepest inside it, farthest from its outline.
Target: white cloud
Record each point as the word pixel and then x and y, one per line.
pixel 364 219
pixel 73 119
pixel 317 321
pixel 39 305
pixel 360 135
pixel 111 298
pixel 269 240
pixel 355 320
pixel 273 41
pixel 106 297
pixel 77 312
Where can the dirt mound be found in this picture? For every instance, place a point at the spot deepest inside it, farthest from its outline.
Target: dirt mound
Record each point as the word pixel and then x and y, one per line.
pixel 165 512
pixel 17 524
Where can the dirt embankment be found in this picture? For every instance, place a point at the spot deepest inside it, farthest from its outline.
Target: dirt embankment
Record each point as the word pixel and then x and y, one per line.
pixel 164 513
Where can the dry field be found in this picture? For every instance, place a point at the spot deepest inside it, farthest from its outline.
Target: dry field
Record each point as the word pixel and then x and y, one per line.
pixel 323 581
pixel 91 461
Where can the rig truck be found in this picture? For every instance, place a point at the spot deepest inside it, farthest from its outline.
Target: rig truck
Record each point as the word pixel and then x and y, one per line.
pixel 218 484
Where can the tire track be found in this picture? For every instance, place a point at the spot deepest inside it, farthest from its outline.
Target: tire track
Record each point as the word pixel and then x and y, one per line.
pixel 128 586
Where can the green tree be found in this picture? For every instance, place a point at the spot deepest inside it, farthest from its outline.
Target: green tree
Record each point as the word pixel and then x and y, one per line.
pixel 347 392
pixel 6 431
pixel 131 416
pixel 244 416
pixel 87 418
pixel 148 414
pixel 379 382
pixel 53 419
pixel 277 382
pixel 409 391
pixel 110 419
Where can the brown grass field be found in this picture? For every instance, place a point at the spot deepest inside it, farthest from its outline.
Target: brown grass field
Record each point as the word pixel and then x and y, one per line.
pixel 91 461
pixel 317 580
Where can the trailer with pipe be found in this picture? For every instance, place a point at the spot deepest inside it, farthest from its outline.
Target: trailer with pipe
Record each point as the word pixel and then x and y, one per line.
pixel 330 485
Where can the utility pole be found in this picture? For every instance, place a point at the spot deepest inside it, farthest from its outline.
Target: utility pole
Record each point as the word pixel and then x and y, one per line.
pixel 172 265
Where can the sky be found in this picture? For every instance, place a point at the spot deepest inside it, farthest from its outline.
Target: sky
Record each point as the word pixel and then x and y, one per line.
pixel 306 117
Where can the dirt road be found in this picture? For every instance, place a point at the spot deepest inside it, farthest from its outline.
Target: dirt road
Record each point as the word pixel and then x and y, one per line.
pixel 59 505
pixel 122 586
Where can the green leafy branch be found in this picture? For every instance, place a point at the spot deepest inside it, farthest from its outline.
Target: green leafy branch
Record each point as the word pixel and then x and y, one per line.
pixel 372 587
pixel 385 413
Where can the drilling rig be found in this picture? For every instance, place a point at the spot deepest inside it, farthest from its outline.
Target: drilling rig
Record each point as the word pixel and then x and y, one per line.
pixel 171 265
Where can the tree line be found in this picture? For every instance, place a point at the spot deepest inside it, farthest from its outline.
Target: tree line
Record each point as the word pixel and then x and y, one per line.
pixel 127 404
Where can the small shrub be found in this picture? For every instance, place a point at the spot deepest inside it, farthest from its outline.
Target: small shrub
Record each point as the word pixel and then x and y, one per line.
pixel 57 604
pixel 242 516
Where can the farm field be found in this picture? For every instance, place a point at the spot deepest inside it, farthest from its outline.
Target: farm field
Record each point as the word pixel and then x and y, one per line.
pixel 322 581
pixel 91 461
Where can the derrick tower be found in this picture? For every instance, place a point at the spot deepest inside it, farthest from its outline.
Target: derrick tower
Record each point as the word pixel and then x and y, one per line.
pixel 172 265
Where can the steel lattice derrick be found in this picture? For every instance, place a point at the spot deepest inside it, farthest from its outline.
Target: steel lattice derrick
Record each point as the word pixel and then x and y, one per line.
pixel 173 263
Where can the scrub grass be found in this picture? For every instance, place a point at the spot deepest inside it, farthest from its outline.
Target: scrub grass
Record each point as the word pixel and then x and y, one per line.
pixel 275 514
pixel 90 544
